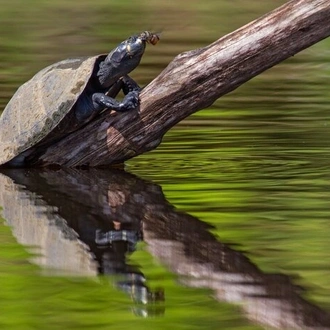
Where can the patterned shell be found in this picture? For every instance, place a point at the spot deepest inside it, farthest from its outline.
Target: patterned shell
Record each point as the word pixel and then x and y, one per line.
pixel 40 104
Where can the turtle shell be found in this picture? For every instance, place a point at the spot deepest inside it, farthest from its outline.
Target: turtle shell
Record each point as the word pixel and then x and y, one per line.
pixel 40 104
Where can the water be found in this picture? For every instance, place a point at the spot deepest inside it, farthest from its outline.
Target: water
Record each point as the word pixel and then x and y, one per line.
pixel 226 224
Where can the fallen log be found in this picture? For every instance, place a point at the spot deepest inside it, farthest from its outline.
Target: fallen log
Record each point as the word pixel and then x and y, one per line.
pixel 193 81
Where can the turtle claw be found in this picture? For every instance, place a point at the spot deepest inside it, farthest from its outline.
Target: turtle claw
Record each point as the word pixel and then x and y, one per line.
pixel 101 101
pixel 131 101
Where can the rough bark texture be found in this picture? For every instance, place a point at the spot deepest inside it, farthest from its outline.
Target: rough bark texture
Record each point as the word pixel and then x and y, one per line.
pixel 193 81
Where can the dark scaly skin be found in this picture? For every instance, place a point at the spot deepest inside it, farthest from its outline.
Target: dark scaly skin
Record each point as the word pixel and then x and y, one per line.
pixel 119 62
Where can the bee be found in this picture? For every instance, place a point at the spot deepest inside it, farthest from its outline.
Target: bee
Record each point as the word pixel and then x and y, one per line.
pixel 150 37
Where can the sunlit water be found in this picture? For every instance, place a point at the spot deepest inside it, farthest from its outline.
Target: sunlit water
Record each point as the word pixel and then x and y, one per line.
pixel 224 226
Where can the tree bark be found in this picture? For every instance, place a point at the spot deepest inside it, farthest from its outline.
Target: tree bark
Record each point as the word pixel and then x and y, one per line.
pixel 193 81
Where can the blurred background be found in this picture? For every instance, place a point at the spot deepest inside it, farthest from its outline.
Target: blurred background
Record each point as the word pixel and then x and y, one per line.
pixel 254 166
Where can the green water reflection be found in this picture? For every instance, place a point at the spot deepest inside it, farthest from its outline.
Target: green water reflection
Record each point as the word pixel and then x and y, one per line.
pixel 255 165
pixel 75 231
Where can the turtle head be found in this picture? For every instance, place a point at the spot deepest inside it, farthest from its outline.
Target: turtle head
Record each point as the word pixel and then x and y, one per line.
pixel 124 58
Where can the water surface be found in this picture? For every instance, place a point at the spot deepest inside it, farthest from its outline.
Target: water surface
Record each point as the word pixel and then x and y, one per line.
pixel 226 223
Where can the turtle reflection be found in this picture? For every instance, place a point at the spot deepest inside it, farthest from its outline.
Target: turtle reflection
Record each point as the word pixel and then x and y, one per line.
pixel 106 222
pixel 110 212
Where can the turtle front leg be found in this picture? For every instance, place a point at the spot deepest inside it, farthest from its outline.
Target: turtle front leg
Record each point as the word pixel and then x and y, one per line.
pixel 130 102
pixel 129 85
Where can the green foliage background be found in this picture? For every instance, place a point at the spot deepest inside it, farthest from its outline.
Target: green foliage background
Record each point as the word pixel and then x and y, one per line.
pixel 255 165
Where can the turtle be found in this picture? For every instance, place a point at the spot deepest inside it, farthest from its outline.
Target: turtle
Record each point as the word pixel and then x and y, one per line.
pixel 65 96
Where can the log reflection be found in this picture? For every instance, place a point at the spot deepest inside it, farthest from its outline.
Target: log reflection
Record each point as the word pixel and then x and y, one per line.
pixel 89 220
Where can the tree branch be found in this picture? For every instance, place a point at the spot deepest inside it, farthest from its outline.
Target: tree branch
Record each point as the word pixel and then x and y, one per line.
pixel 193 81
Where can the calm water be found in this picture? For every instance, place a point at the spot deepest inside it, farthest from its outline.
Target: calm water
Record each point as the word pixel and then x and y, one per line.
pixel 224 226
